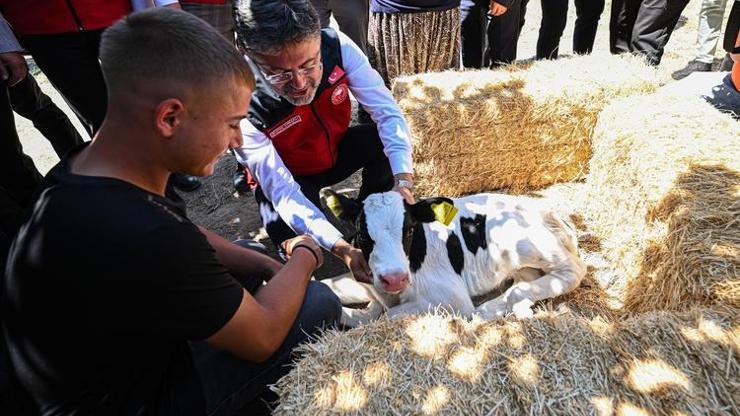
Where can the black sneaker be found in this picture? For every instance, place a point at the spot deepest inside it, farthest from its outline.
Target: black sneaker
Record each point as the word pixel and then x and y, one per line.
pixel 726 64
pixel 183 182
pixel 691 67
pixel 240 180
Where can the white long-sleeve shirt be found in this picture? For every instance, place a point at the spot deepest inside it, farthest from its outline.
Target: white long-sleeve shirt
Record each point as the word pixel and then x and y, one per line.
pixel 260 156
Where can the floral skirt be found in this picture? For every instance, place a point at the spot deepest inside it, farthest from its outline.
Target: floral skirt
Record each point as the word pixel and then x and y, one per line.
pixel 411 43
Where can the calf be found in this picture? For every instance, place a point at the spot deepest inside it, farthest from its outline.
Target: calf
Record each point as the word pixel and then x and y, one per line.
pixel 419 263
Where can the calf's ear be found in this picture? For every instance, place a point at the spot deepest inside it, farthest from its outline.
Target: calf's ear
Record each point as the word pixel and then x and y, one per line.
pixel 433 209
pixel 344 208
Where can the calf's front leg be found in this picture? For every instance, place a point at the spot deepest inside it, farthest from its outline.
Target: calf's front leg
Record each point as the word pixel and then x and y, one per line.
pixel 521 296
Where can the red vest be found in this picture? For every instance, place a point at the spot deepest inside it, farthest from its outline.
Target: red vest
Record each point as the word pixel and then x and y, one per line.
pixel 42 17
pixel 307 137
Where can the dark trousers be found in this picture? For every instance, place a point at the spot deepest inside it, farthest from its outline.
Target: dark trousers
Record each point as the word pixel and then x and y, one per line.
pixel 70 61
pixel 643 26
pixel 588 13
pixel 361 148
pixel 503 35
pixel 554 19
pixel 473 21
pixel 30 102
pixel 18 175
pixel 489 41
pixel 234 386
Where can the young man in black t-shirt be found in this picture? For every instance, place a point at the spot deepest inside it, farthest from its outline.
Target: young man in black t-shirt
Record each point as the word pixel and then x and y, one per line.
pixel 108 280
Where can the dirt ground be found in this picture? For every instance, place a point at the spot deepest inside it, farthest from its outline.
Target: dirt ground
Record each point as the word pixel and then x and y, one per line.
pixel 217 207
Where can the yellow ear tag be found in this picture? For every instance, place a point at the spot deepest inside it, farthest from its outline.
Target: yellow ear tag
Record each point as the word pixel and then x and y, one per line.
pixel 444 212
pixel 332 202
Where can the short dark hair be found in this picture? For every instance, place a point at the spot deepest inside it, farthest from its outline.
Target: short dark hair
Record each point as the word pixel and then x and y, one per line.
pixel 168 44
pixel 268 26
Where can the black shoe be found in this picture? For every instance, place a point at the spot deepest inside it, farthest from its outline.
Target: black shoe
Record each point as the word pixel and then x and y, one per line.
pixel 183 182
pixel 691 67
pixel 240 180
pixel 726 64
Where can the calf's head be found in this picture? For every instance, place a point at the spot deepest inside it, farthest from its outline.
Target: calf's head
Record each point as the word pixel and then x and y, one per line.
pixel 390 234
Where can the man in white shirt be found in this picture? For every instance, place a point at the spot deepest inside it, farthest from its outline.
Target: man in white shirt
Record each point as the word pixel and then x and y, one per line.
pixel 297 137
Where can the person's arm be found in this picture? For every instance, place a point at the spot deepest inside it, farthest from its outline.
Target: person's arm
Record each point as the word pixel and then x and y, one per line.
pixel 260 157
pixel 239 260
pixel 13 67
pixel 370 91
pixel 262 322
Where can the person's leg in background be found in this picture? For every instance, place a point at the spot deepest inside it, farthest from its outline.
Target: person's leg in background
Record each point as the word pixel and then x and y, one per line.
pixel 18 175
pixel 472 33
pixel 324 10
pixel 621 23
pixel 653 27
pixel 503 36
pixel 70 61
pixel 554 18
pixel 352 18
pixel 707 37
pixel 588 13
pixel 30 102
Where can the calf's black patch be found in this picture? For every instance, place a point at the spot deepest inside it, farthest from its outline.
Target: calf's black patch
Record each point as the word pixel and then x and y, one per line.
pixel 455 253
pixel 418 250
pixel 362 239
pixel 474 232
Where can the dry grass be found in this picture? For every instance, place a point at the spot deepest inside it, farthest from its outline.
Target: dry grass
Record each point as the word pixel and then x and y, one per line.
pixel 653 329
pixel 516 129
pixel 557 363
pixel 663 194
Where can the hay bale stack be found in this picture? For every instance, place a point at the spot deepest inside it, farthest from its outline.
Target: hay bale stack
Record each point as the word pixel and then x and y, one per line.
pixel 522 128
pixel 559 364
pixel 664 197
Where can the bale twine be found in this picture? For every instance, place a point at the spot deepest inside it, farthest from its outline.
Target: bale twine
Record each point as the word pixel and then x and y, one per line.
pixel 520 128
pixel 556 363
pixel 663 194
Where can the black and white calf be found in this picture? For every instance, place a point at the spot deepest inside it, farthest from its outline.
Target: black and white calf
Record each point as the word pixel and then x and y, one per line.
pixel 419 263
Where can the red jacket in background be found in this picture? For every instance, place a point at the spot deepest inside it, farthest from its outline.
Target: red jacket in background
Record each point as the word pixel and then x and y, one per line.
pixel 45 17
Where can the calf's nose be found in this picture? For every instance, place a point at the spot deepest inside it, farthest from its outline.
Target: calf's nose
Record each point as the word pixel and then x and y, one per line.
pixel 394 282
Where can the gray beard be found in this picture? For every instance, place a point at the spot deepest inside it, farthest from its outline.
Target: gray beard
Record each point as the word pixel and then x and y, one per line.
pixel 296 102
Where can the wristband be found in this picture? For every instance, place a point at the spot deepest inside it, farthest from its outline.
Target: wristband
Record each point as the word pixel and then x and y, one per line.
pixel 313 253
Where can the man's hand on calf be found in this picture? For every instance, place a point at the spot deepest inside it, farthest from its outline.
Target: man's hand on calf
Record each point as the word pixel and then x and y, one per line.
pixel 403 183
pixel 355 260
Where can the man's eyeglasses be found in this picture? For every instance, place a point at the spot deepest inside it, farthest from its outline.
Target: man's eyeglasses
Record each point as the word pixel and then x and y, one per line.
pixel 284 77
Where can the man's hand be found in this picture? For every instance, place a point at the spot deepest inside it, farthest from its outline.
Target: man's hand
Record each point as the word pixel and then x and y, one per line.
pixel 12 67
pixel 304 242
pixel 497 9
pixel 355 260
pixel 406 193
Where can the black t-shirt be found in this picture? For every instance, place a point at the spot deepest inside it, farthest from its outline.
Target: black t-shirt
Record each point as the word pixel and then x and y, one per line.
pixel 105 284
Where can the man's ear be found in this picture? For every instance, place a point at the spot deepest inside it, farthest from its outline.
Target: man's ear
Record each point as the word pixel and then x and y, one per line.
pixel 168 116
pixel 344 208
pixel 433 209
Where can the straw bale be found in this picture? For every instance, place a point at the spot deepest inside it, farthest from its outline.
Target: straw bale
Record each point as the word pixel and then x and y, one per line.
pixel 663 195
pixel 556 363
pixel 520 128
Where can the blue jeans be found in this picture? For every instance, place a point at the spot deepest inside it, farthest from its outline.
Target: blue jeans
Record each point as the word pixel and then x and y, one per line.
pixel 232 385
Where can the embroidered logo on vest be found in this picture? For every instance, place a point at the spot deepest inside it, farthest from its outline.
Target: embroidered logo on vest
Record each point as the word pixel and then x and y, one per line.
pixel 336 73
pixel 339 95
pixel 285 126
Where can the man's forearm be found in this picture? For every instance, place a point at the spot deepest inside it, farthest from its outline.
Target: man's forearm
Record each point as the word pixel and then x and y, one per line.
pixel 239 260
